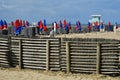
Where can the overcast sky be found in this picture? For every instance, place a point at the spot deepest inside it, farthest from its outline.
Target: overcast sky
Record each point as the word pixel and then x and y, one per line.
pixel 54 10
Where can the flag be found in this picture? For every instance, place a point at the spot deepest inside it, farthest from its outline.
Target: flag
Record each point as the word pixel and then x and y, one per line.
pixel 45 25
pixel 1 25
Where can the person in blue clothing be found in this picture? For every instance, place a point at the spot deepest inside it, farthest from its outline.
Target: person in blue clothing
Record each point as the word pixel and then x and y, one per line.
pixel 102 27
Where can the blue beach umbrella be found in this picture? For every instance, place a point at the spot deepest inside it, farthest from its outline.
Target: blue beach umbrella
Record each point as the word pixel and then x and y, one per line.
pixel 1 25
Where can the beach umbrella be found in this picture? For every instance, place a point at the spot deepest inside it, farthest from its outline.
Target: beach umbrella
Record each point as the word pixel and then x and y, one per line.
pixel 12 23
pixel 17 23
pixel 109 26
pixel 78 25
pixel 21 23
pixel 60 24
pixel 41 25
pixel 65 23
pixel 45 25
pixel 57 25
pixel 69 25
pixel 27 23
pixel 1 24
pixel 5 24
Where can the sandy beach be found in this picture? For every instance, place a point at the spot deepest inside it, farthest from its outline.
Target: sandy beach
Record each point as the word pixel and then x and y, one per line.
pixel 16 74
pixel 106 35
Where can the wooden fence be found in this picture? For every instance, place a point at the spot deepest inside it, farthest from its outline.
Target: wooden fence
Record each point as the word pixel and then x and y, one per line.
pixel 90 55
pixel 101 56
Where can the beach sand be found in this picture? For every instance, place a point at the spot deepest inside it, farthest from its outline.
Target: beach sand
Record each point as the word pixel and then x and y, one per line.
pixel 106 35
pixel 26 74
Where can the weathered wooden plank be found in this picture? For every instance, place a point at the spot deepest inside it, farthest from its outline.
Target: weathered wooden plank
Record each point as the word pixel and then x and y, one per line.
pixel 75 62
pixel 32 50
pixel 37 62
pixel 34 67
pixel 34 42
pixel 33 47
pixel 34 53
pixel 82 71
pixel 83 54
pixel 85 60
pixel 34 56
pixel 93 51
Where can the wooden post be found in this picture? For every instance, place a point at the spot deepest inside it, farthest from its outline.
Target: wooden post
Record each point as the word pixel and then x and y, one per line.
pixel 47 55
pixel 9 53
pixel 98 58
pixel 67 57
pixel 20 54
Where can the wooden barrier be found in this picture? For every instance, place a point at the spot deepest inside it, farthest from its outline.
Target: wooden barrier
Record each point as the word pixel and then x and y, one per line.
pixel 101 56
pixel 5 61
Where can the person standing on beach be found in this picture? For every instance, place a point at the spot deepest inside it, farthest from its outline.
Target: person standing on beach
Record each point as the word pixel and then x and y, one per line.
pixel 96 26
pixel 109 26
pixel 102 27
pixel 55 29
pixel 115 27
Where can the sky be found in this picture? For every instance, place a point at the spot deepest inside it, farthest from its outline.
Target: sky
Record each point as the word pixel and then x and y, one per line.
pixel 55 10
